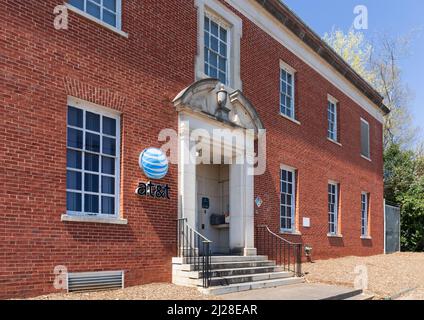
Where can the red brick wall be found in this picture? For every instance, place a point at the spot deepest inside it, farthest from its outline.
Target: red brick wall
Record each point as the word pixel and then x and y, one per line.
pixel 139 76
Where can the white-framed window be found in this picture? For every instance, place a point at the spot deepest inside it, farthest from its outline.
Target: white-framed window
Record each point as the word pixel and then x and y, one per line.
pixel 106 11
pixel 218 54
pixel 93 161
pixel 287 90
pixel 364 214
pixel 365 139
pixel 333 208
pixel 332 119
pixel 287 199
pixel 216 35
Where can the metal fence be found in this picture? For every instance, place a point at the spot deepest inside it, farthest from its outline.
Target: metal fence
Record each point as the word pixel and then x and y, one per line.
pixel 392 229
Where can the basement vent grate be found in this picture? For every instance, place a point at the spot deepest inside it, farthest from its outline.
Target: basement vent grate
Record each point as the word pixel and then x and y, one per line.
pixel 95 281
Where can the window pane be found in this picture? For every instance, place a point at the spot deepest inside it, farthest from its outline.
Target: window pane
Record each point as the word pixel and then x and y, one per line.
pixel 214 44
pixel 75 138
pixel 91 162
pixel 91 182
pixel 109 18
pixel 223 49
pixel 110 4
pixel 74 159
pixel 213 60
pixel 223 34
pixel 77 3
pixel 92 121
pixel 284 75
pixel 365 149
pixel 283 211
pixel 91 203
pixel 222 64
pixel 93 9
pixel 289 78
pixel 92 142
pixel 206 36
pixel 289 221
pixel 73 180
pixel 222 78
pixel 289 199
pixel 214 28
pixel 283 224
pixel 288 102
pixel 108 205
pixel 108 185
pixel 207 23
pixel 109 146
pixel 75 117
pixel 284 89
pixel 289 176
pixel 108 165
pixel 73 202
pixel 109 126
pixel 213 73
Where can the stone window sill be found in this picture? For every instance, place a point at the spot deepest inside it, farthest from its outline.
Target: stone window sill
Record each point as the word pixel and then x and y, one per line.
pixel 366 238
pixel 290 119
pixel 290 233
pixel 94 219
pixel 334 235
pixel 100 22
pixel 335 142
pixel 366 158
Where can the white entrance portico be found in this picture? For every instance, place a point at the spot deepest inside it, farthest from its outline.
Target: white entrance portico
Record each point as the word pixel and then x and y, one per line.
pixel 217 130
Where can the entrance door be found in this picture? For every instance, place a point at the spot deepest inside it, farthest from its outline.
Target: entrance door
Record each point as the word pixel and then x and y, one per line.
pixel 213 206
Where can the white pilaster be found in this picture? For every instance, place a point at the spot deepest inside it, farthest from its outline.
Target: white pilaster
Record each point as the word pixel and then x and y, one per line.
pixel 187 175
pixel 249 229
pixel 237 214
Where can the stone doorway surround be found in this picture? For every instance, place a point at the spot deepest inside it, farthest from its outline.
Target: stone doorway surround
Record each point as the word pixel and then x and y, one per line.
pixel 199 111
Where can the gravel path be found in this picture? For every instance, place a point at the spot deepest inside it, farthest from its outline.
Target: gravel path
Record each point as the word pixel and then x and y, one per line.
pixel 388 275
pixel 157 291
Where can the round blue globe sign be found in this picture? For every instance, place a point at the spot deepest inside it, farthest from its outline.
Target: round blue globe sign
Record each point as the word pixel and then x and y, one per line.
pixel 154 163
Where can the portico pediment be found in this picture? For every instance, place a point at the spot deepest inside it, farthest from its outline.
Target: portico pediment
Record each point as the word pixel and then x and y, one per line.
pixel 201 97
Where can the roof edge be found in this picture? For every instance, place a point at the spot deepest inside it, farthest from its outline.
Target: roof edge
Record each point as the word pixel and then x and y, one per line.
pixel 301 30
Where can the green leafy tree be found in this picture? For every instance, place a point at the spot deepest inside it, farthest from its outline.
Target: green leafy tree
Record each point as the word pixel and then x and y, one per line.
pixel 404 184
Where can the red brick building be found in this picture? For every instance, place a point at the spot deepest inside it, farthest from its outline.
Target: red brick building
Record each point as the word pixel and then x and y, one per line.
pixel 79 105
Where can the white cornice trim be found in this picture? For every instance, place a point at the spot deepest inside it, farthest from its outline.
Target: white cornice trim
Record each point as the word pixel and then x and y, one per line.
pixel 263 19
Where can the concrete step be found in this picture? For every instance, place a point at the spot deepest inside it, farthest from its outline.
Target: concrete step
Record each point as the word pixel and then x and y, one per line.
pixel 225 281
pixel 231 272
pixel 227 265
pixel 362 297
pixel 238 287
pixel 349 293
pixel 220 259
pixel 228 280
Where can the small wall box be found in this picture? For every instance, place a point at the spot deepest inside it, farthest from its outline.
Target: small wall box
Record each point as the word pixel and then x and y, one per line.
pixel 307 222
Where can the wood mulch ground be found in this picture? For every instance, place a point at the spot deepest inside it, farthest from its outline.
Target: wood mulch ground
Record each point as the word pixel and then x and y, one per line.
pixel 156 291
pixel 398 275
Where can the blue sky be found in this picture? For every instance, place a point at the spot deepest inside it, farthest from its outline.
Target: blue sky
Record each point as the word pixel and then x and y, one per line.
pixel 397 17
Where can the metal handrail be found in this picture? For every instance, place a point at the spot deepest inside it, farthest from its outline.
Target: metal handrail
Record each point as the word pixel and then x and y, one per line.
pixel 194 231
pixel 189 243
pixel 276 235
pixel 285 253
